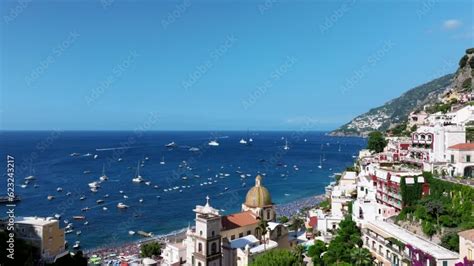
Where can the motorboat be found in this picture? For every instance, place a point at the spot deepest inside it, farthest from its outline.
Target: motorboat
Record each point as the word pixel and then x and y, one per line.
pixel 30 177
pixel 87 154
pixel 50 197
pixel 77 245
pixel 103 177
pixel 194 149
pixel 57 216
pixel 286 147
pixel 74 154
pixel 120 205
pixel 79 217
pixel 96 156
pixel 99 201
pixel 213 143
pixel 171 145
pixel 59 189
pixel 82 198
pixel 131 232
pixel 162 160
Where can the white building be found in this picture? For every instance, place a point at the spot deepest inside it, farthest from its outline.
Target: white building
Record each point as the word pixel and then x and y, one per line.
pixel 241 251
pixel 393 245
pixel 461 159
pixel 174 254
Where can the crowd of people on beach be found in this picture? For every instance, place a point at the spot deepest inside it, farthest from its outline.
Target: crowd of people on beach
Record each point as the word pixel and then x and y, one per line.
pixel 292 208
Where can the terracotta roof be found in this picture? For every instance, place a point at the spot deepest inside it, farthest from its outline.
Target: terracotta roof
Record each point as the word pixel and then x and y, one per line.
pixel 463 146
pixel 468 234
pixel 239 219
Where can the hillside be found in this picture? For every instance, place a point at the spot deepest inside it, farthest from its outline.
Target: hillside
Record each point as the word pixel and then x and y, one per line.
pixel 396 110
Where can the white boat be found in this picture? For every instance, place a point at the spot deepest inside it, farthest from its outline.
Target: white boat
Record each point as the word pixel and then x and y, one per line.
pixel 69 193
pixel 146 158
pixel 68 231
pixel 286 147
pixel 86 222
pixel 100 201
pixel 243 141
pixel 59 189
pixel 131 232
pixel 57 216
pixel 104 208
pixel 138 178
pixel 82 198
pixel 103 177
pixel 30 177
pixel 320 162
pixel 125 196
pixel 147 183
pixel 77 245
pixel 23 186
pixel 96 156
pixel 171 145
pixel 50 197
pixel 119 159
pixel 87 154
pixel 140 200
pixel 213 143
pixel 94 184
pixel 79 232
pixel 74 154
pixel 162 160
pixel 194 149
pixel 120 205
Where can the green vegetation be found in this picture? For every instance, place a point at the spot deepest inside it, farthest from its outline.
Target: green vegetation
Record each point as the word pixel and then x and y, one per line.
pixel 441 107
pixel 344 249
pixel 278 257
pixel 150 249
pixel 399 108
pixel 410 193
pixel 470 51
pixel 283 219
pixel 463 61
pixel 376 141
pixel 449 206
pixel 466 84
pixel 325 205
pixel 471 62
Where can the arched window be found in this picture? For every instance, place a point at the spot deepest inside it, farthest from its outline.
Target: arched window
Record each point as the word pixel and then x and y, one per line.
pixel 213 233
pixel 213 248
pixel 199 247
pixel 200 233
pixel 199 264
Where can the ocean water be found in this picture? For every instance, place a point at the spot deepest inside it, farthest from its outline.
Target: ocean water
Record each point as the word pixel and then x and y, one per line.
pixel 289 175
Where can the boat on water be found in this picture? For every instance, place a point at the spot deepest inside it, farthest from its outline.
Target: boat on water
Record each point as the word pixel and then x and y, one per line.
pixel 140 200
pixel 171 145
pixel 131 232
pixel 119 159
pixel 104 208
pixel 82 198
pixel 286 147
pixel 103 177
pixel 162 160
pixel 59 189
pixel 30 177
pixel 86 172
pixel 57 216
pixel 94 189
pixel 194 149
pixel 50 197
pixel 87 154
pixel 145 234
pixel 213 143
pixel 120 205
pixel 96 156
pixel 85 209
pixel 79 217
pixel 77 245
pixel 320 162
pixel 243 141
pixel 138 178
pixel 74 154
pixel 23 185
pixel 99 201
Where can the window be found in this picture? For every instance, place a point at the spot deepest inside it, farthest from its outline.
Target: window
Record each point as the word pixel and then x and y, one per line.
pixel 445 263
pixel 232 237
pixel 213 233
pixel 452 158
pixel 199 264
pixel 213 248
pixel 468 158
pixel 199 247
pixel 241 235
pixel 200 233
pixel 268 215
pixel 469 254
pixel 249 232
pixel 361 188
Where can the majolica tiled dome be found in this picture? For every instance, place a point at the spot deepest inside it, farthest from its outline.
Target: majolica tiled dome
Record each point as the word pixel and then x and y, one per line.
pixel 258 196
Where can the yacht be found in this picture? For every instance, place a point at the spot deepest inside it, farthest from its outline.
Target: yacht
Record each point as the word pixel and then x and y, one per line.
pixel 99 201
pixel 131 232
pixel 243 141
pixel 213 143
pixel 77 245
pixel 94 184
pixel 320 162
pixel 59 189
pixel 103 177
pixel 120 205
pixel 286 147
pixel 82 198
pixel 171 145
pixel 119 159
pixel 96 156
pixel 138 178
pixel 162 160
pixel 50 197
pixel 57 216
pixel 30 177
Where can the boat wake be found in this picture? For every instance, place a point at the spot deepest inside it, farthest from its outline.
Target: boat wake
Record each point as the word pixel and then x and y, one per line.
pixel 116 148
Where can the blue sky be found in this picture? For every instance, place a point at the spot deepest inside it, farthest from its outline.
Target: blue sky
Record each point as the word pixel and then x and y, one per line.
pixel 209 65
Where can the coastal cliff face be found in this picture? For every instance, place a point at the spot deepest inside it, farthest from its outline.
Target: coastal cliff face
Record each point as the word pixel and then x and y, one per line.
pixel 397 110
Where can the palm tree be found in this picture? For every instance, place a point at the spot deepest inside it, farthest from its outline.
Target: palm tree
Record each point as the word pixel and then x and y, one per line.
pixel 297 224
pixel 361 257
pixel 262 229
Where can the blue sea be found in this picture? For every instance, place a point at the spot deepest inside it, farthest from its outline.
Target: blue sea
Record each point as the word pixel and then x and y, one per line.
pixel 225 173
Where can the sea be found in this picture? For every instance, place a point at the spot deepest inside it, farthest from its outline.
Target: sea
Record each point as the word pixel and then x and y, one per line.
pixel 179 179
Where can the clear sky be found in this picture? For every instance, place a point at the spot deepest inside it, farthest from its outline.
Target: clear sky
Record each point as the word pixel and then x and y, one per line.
pixel 206 65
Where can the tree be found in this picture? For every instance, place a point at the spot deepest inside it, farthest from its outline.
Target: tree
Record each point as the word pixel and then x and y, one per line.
pixel 150 249
pixel 450 241
pixel 283 219
pixel 348 237
pixel 361 257
pixel 435 208
pixel 297 224
pixel 262 229
pixel 376 142
pixel 277 257
pixel 315 251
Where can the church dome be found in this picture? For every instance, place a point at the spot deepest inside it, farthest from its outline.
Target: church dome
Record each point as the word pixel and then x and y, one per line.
pixel 258 196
